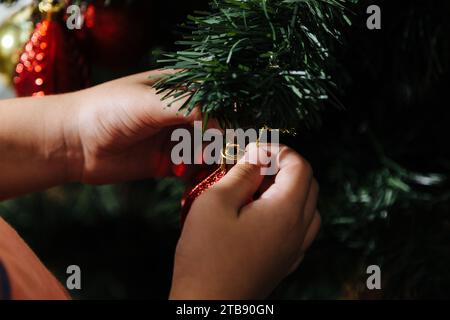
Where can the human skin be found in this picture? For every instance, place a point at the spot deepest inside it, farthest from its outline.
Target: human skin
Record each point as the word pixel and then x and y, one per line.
pixel 119 131
pixel 109 133
pixel 232 249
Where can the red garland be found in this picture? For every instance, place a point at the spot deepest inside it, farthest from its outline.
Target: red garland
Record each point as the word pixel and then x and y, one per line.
pixel 201 187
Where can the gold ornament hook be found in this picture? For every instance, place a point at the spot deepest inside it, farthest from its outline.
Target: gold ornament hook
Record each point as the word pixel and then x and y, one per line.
pixel 227 155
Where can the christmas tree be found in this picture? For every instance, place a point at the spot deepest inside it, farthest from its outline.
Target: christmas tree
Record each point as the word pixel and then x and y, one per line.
pixel 381 157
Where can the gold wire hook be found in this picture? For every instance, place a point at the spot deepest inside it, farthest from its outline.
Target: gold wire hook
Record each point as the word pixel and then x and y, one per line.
pixel 226 155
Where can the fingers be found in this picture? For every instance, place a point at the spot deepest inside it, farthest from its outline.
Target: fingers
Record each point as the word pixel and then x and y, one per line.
pixel 170 106
pixel 167 112
pixel 244 179
pixel 309 238
pixel 294 177
pixel 311 204
pixel 142 109
pixel 312 232
pixel 310 222
pixel 289 203
pixel 291 186
pixel 150 77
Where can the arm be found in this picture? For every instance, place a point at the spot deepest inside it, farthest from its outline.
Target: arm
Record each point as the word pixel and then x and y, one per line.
pixel 33 150
pixel 114 132
pixel 119 131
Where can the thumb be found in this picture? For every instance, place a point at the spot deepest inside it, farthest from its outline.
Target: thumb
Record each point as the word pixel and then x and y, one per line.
pixel 244 179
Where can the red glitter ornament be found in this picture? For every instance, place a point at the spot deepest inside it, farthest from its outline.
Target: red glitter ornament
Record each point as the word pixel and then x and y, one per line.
pixel 50 62
pixel 204 179
pixel 202 184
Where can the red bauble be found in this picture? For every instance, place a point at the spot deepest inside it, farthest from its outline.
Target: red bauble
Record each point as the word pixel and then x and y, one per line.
pixel 51 62
pixel 202 182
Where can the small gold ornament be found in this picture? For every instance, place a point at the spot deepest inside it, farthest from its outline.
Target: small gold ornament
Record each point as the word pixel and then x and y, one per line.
pixel 14 33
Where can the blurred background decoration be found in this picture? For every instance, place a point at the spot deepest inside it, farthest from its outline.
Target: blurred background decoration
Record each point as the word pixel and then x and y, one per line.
pixel 382 163
pixel 16 26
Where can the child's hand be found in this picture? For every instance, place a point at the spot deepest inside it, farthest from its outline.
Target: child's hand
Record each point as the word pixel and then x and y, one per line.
pixel 113 132
pixel 233 250
pixel 120 131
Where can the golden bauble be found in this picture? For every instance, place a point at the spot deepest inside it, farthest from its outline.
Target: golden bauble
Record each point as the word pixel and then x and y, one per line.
pixel 14 33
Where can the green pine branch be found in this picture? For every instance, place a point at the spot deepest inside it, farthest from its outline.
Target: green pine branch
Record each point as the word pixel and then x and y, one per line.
pixel 254 63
